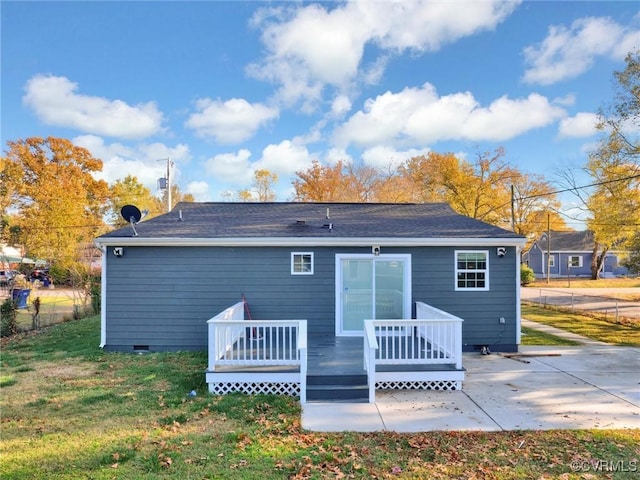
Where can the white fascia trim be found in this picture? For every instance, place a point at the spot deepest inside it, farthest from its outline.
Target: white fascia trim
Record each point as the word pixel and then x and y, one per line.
pixel 103 299
pixel 309 242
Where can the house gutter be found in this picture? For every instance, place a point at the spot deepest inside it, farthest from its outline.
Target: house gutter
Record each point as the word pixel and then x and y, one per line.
pixel 518 299
pixel 308 241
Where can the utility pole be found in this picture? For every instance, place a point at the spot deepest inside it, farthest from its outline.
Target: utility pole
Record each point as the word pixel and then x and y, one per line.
pixel 165 182
pixel 513 209
pixel 168 184
pixel 548 246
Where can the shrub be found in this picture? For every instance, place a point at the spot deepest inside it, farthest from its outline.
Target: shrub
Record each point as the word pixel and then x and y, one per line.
pixel 526 275
pixel 8 323
pixel 59 274
pixel 95 292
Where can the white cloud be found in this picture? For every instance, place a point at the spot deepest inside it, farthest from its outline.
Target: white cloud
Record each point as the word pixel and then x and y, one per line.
pixel 427 25
pixel 199 190
pixel 418 116
pixel 581 125
pixel 140 161
pixel 283 159
pixel 56 102
pixel 629 42
pixel 374 71
pixel 340 106
pixel 314 46
pixel 233 121
pixel 309 47
pixel 335 155
pixel 566 101
pixel 385 158
pixel 567 52
pixel 230 167
pixel 100 150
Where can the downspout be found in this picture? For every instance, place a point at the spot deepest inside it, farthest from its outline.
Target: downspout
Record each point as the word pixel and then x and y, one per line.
pixel 103 298
pixel 518 299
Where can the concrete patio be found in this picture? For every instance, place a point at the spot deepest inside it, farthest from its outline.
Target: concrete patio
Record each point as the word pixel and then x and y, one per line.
pixel 585 387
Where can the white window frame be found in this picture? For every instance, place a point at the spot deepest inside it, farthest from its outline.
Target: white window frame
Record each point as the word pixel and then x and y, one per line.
pixel 552 261
pixel 570 261
pixel 485 271
pixel 301 263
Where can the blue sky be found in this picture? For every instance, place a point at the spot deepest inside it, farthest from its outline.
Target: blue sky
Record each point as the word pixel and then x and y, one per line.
pixel 225 88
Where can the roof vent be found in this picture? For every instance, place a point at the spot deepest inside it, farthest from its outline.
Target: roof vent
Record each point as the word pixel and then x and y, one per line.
pixel 301 222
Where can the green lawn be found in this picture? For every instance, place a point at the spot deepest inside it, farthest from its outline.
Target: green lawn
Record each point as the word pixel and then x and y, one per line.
pixel 531 336
pixel 587 326
pixel 587 283
pixel 72 411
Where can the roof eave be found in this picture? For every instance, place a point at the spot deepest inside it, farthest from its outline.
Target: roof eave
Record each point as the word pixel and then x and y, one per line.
pixel 310 242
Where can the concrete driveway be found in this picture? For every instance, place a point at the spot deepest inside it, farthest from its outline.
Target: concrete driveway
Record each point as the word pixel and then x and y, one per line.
pixel 585 387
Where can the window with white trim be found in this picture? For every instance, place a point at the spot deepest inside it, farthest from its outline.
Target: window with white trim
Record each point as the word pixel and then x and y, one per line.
pixel 552 260
pixel 301 263
pixel 472 270
pixel 574 261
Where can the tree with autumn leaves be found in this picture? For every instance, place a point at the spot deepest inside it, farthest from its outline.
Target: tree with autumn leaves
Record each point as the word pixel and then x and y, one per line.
pixel 613 201
pixel 52 205
pixel 614 165
pixel 482 190
pixel 56 204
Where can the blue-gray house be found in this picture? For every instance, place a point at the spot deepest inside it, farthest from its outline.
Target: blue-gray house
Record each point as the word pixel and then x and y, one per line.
pixel 562 254
pixel 333 266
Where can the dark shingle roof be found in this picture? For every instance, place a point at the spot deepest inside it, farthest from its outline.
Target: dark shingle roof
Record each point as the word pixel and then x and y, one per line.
pixel 568 241
pixel 348 220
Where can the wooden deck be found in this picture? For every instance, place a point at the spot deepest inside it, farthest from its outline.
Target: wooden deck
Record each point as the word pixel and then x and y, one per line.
pixel 330 355
pixel 277 356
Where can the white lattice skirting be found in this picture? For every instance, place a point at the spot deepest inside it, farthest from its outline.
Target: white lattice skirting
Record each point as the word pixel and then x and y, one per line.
pixel 420 385
pixel 252 388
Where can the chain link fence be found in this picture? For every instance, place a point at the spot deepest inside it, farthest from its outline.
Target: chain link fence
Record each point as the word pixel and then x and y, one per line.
pixel 39 307
pixel 605 306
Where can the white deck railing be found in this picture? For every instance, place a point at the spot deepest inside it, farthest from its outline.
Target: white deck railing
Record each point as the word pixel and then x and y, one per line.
pixel 235 342
pixel 444 334
pixel 433 338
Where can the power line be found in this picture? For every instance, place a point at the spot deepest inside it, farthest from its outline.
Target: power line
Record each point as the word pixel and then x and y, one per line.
pixel 597 184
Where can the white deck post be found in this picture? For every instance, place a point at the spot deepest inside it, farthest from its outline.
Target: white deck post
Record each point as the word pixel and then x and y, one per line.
pixel 370 348
pixel 302 351
pixel 458 344
pixel 211 334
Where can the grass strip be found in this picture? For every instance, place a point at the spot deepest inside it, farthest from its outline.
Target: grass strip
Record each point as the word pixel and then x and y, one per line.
pixel 587 326
pixel 531 336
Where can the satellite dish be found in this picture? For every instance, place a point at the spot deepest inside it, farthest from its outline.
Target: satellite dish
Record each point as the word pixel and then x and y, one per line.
pixel 132 215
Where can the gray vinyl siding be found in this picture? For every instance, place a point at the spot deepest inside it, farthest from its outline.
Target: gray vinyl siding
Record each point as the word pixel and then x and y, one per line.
pixel 162 297
pixel 434 283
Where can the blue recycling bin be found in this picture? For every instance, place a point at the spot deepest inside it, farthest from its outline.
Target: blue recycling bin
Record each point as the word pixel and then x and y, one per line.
pixel 20 297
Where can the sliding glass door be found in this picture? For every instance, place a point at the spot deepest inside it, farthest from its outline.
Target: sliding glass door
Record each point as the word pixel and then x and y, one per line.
pixel 371 287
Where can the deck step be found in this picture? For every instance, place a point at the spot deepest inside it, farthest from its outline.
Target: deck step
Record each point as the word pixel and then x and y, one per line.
pixel 337 388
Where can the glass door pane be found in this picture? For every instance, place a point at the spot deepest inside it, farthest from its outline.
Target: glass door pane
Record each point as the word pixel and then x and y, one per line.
pixel 389 289
pixel 357 294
